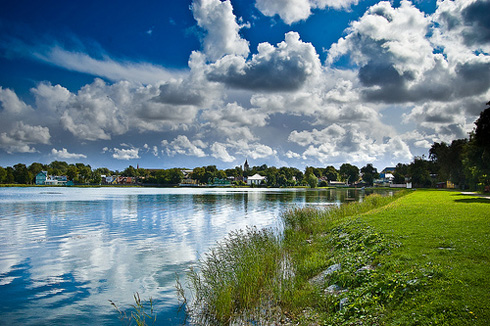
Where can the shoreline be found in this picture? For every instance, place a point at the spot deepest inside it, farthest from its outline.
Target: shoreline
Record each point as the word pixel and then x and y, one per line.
pixel 399 260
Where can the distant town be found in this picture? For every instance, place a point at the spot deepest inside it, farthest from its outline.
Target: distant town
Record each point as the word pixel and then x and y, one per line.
pixel 420 173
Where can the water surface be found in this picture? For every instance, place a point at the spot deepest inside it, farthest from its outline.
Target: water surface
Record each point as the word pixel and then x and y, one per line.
pixel 64 252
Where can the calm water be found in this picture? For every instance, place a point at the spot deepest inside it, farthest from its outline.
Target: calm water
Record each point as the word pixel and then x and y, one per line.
pixel 64 252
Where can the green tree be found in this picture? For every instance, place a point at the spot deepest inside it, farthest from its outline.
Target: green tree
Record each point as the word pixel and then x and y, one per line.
pixel 221 174
pixel 420 171
pixel 72 172
pixel 312 180
pixel 130 171
pixel 398 177
pixel 331 173
pixel 482 130
pixel 35 168
pixel 369 173
pixel 448 160
pixel 477 159
pixel 282 180
pixel 96 178
pixel 22 174
pixel 104 171
pixel 142 173
pixel 349 173
pixel 199 174
pixel 175 176
pixel 84 173
pixel 57 168
pixel 236 172
pixel 3 175
pixel 9 178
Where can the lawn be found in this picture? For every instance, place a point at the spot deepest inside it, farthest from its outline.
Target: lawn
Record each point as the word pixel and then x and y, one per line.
pixel 450 232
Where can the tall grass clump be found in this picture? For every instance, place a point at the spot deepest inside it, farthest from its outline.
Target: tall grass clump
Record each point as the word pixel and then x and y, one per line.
pixel 235 278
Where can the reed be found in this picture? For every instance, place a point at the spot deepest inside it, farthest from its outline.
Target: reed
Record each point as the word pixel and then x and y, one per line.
pixel 235 278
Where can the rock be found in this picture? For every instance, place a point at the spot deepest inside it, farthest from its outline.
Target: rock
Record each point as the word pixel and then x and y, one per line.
pixel 343 303
pixel 333 289
pixel 365 268
pixel 320 278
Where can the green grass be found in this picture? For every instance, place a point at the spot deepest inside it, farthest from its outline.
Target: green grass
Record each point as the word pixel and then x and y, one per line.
pixel 450 232
pixel 418 258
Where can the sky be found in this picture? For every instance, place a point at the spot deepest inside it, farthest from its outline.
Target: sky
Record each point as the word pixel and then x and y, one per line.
pixel 162 84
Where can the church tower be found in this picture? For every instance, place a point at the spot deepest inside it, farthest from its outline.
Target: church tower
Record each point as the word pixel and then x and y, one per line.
pixel 246 167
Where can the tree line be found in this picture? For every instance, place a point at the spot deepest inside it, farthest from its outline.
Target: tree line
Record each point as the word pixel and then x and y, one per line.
pixel 465 162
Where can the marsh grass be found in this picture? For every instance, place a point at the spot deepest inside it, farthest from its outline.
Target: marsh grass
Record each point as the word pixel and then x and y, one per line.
pixel 235 278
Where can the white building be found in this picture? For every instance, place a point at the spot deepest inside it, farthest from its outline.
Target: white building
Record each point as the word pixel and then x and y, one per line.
pixel 256 179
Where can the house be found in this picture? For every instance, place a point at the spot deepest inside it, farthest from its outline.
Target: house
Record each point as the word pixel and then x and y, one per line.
pixel 41 178
pixel 256 179
pixel 108 179
pixel 125 180
pixel 187 173
pixel 337 184
pixel 385 177
pixel 57 180
pixel 187 181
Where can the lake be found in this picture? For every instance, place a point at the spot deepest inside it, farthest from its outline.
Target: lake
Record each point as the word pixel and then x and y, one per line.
pixel 65 252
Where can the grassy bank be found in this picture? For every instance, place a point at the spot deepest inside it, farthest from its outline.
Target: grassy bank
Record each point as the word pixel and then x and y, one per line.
pixel 420 257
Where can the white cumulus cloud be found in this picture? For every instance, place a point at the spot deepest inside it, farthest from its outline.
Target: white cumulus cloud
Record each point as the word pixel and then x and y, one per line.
pixel 222 30
pixel 219 151
pixel 65 155
pixel 292 11
pixel 285 67
pixel 183 146
pixel 21 136
pixel 125 153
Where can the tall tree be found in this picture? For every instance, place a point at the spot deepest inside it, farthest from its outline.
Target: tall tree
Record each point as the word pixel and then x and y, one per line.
pixel 58 168
pixel 35 168
pixel 22 174
pixel 9 178
pixel 369 173
pixel 331 173
pixel 349 173
pixel 72 172
pixel 420 171
pixel 3 175
pixel 477 160
pixel 312 180
pixel 130 171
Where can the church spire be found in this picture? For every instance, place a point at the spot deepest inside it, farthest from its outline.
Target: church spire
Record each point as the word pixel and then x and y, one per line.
pixel 246 167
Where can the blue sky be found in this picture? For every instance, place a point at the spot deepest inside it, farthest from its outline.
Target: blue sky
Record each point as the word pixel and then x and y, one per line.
pixel 164 84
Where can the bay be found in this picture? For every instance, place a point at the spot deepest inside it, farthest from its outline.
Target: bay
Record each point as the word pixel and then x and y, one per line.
pixel 65 252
